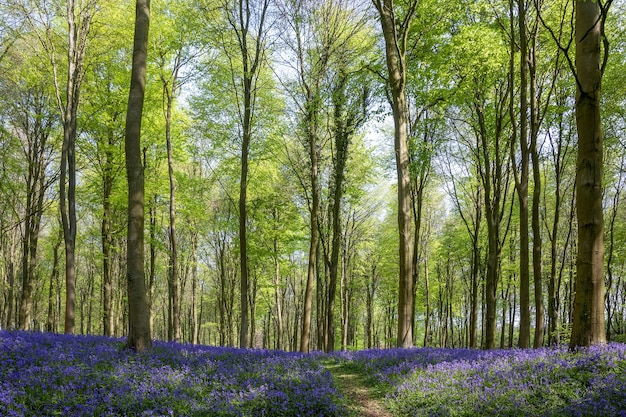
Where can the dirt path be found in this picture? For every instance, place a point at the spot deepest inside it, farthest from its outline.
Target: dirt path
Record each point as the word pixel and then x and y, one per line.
pixel 361 400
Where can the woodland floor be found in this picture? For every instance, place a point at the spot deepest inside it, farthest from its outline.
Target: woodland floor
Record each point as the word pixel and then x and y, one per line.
pixel 362 397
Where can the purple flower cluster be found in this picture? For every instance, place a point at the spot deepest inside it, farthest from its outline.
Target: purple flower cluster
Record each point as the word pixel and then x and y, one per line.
pixel 391 366
pixel 44 374
pixel 461 382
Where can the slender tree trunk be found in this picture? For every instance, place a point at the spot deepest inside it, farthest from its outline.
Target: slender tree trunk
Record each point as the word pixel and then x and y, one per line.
pixel 559 153
pixel 369 306
pixel 427 330
pixel 278 299
pixel 536 215
pixel 174 330
pixel 252 61
pixel 77 43
pixel 475 275
pixel 243 213
pixel 54 276
pixel 139 337
pixel 106 238
pixel 32 224
pixel 305 335
pixel 195 323
pixel 395 36
pixel 522 174
pixel 589 323
pixel 152 261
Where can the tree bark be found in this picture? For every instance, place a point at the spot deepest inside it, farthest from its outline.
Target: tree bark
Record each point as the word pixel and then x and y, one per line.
pixel 395 37
pixel 588 317
pixel 521 174
pixel 54 276
pixel 195 320
pixel 77 43
pixel 106 238
pixel 173 278
pixel 139 337
pixel 537 190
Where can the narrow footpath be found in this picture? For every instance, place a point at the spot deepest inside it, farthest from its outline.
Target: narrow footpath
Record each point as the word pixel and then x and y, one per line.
pixel 362 400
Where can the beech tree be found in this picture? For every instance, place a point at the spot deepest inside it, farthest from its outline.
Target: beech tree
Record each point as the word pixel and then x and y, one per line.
pixel 395 20
pixel 592 53
pixel 139 337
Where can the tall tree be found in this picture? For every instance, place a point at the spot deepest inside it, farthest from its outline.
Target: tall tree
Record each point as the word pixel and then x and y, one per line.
pixel 138 314
pixel 30 119
pixel 312 38
pixel 79 17
pixel 248 20
pixel 521 174
pixel 592 53
pixel 395 22
pixel 348 116
pixel 36 124
pixel 174 52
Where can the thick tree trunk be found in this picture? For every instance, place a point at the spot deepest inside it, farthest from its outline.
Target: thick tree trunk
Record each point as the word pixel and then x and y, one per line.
pixel 139 337
pixel 589 323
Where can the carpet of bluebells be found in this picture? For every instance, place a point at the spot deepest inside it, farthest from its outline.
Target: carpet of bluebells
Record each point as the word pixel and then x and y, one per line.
pixel 43 374
pixel 463 382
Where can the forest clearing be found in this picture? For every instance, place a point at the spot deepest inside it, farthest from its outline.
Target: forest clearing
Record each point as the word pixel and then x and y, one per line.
pixel 45 374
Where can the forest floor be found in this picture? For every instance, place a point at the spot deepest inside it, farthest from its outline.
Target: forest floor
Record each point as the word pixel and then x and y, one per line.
pixel 363 398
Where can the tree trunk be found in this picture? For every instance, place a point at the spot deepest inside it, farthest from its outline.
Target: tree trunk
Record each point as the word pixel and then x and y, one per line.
pixel 139 337
pixel 251 62
pixel 427 330
pixel 77 42
pixel 35 149
pixel 395 54
pixel 195 323
pixel 174 317
pixel 559 154
pixel 305 335
pixel 152 260
pixel 536 215
pixel 106 238
pixel 494 186
pixel 369 305
pixel 278 299
pixel 589 324
pixel 475 274
pixel 54 276
pixel 521 175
